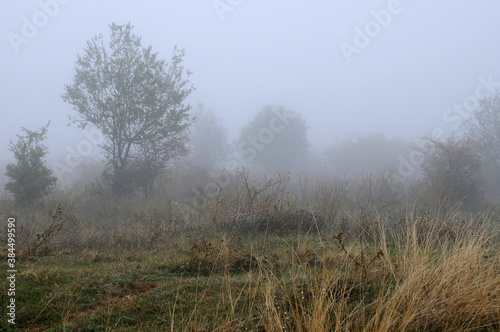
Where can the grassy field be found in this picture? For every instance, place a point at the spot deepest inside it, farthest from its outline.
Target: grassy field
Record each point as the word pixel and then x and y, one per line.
pixel 270 265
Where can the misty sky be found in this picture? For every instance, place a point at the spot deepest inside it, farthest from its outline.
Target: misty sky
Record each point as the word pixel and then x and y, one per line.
pixel 401 75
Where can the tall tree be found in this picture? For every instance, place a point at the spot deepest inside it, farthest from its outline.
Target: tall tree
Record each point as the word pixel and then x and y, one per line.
pixel 208 139
pixel 276 138
pixel 483 127
pixel 137 101
pixel 30 179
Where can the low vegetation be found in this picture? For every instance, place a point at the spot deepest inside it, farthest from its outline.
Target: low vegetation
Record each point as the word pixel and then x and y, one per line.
pixel 255 259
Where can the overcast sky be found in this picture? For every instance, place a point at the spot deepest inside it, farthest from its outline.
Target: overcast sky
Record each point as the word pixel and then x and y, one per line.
pixel 395 67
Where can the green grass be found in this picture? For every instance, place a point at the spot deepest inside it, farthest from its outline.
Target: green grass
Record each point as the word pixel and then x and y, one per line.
pixel 409 288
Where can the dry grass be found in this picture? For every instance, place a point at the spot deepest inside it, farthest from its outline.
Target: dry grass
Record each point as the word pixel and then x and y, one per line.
pixel 131 267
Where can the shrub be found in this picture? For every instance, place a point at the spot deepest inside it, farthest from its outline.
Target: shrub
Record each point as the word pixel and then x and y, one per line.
pixel 452 168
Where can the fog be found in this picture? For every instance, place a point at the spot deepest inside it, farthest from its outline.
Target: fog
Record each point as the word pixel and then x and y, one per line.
pixel 404 69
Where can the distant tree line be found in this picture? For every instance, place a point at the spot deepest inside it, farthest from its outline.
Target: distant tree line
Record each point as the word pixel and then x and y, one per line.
pixel 138 102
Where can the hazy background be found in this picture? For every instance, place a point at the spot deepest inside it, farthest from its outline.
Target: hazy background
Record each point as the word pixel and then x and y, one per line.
pixel 428 58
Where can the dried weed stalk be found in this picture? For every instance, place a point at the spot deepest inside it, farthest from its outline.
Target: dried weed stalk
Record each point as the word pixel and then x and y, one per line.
pixel 361 263
pixel 44 240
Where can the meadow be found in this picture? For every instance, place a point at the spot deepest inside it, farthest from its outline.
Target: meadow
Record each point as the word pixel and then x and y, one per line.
pixel 261 254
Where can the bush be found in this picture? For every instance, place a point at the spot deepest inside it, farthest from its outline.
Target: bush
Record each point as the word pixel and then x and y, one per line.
pixel 452 167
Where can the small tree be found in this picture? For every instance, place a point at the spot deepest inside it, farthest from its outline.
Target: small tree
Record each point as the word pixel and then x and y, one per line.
pixel 137 101
pixel 452 167
pixel 30 179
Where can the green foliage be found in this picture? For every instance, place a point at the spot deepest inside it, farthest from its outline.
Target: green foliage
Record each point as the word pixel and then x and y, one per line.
pixel 30 179
pixel 137 101
pixel 275 139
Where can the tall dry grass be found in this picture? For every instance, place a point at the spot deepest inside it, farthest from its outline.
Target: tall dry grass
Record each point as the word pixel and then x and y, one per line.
pixel 427 280
pixel 434 273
